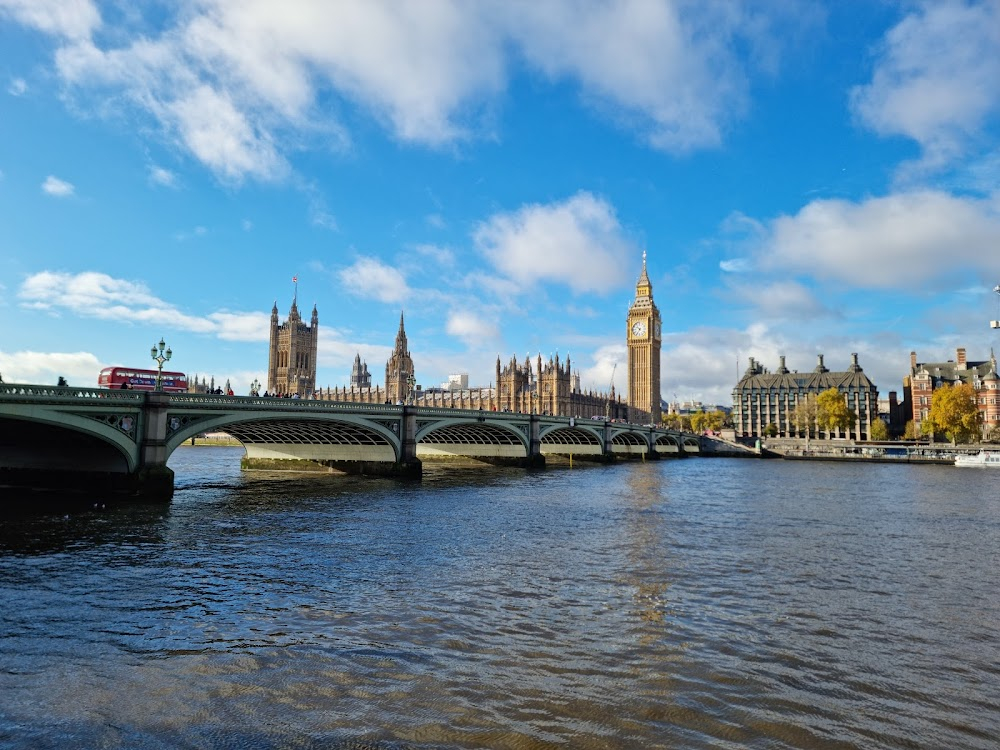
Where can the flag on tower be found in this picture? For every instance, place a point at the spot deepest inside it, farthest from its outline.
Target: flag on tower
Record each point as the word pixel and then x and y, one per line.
pixel 295 279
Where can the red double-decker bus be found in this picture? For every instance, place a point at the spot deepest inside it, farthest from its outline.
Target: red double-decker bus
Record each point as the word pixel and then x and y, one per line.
pixel 142 380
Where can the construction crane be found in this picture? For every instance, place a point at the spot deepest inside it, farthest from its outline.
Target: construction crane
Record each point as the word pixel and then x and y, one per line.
pixel 611 387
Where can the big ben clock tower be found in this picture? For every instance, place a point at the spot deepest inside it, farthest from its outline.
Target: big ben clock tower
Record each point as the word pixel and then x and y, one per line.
pixel 644 353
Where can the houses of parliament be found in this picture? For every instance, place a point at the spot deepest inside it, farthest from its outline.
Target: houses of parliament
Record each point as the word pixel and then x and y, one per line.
pixel 541 387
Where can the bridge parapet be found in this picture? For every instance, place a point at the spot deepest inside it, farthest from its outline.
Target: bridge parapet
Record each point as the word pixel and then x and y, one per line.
pixel 15 392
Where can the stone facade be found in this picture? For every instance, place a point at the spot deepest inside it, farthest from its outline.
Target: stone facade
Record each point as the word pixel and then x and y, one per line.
pixel 925 377
pixel 551 388
pixel 762 398
pixel 644 339
pixel 291 367
pixel 540 387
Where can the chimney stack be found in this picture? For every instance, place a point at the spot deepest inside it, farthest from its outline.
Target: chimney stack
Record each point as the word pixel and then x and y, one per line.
pixel 961 358
pixel 913 361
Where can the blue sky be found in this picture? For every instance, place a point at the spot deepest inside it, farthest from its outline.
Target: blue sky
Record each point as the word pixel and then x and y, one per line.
pixel 805 177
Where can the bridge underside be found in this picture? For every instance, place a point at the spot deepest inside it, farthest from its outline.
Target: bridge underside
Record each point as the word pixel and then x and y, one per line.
pixel 73 465
pixel 474 440
pixel 318 446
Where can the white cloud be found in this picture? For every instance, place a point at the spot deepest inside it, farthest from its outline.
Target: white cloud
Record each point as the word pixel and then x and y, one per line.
pixel 229 81
pixel 79 368
pixel 669 67
pixel 935 80
pixel 788 300
pixel 252 326
pixel 72 19
pixel 17 87
pixel 441 257
pixel 578 242
pixel 161 176
pixel 609 364
pixel 97 295
pixel 373 280
pixel 472 329
pixel 735 265
pixel 905 240
pixel 57 188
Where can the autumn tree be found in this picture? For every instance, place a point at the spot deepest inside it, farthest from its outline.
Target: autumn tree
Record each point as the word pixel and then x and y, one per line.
pixel 955 413
pixel 714 420
pixel 832 412
pixel 910 432
pixel 879 431
pixel 702 420
pixel 803 416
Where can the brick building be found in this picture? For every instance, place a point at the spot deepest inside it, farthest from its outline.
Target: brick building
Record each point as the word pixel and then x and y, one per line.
pixel 924 377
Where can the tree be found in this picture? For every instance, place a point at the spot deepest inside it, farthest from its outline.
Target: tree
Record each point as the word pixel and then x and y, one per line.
pixel 955 413
pixel 702 421
pixel 803 416
pixel 714 420
pixel 910 431
pixel 771 430
pixel 832 412
pixel 879 431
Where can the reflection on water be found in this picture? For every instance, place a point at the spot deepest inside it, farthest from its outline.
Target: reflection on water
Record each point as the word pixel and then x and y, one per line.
pixel 694 603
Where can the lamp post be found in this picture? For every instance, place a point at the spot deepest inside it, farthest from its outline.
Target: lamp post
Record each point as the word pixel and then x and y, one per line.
pixel 160 356
pixel 255 387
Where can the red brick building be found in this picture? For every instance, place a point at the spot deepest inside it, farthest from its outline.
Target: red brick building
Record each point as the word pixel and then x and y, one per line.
pixel 924 377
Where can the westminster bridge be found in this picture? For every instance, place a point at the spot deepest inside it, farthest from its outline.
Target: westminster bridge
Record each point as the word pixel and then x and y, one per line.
pixel 116 443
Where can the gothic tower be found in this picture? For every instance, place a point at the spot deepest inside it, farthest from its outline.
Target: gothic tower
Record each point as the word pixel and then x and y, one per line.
pixel 291 364
pixel 644 353
pixel 361 379
pixel 399 369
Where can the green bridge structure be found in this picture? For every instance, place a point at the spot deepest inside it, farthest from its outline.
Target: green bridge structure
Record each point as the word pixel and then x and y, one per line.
pixel 116 443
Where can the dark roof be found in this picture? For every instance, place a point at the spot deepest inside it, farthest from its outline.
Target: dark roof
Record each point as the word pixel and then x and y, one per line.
pixel 819 379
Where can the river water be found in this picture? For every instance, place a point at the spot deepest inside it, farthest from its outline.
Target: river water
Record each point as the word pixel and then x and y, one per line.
pixel 699 603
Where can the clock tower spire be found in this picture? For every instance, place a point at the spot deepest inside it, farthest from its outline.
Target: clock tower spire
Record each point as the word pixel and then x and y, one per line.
pixel 644 341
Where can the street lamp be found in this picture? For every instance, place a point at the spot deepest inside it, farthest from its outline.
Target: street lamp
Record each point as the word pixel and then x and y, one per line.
pixel 160 357
pixel 255 387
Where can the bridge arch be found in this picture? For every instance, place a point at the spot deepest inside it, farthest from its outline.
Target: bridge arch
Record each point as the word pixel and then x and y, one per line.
pixel 573 440
pixel 108 441
pixel 472 437
pixel 630 442
pixel 310 436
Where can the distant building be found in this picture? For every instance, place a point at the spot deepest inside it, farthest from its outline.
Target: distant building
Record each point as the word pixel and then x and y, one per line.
pixel 457 382
pixel 925 377
pixel 360 377
pixel 762 398
pixel 399 378
pixel 291 366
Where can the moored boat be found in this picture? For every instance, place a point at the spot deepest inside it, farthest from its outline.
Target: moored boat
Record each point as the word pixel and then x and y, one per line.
pixel 980 459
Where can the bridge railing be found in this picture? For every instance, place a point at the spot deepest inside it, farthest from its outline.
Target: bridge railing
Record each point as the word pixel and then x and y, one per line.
pixel 25 392
pixel 273 403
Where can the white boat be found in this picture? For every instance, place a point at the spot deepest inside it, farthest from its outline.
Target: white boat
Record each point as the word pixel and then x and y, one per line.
pixel 980 459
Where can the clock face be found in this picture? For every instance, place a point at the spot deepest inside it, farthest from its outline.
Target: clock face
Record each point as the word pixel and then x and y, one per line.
pixel 638 328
